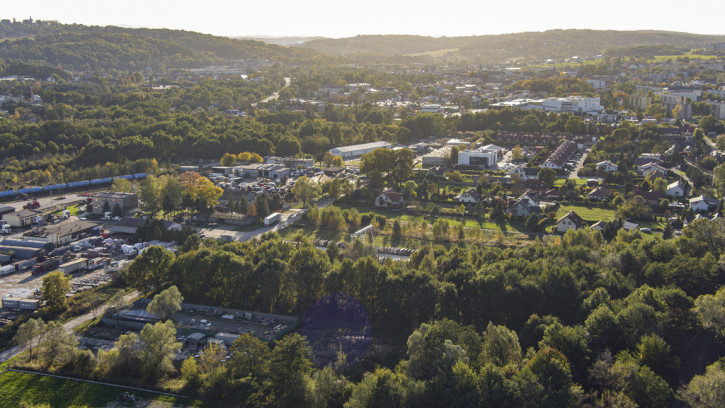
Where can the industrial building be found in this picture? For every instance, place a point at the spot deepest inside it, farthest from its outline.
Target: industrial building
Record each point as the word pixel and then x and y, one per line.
pixel 127 201
pixel 347 152
pixel 438 157
pixel 264 170
pixel 63 233
pixel 485 156
pixel 22 218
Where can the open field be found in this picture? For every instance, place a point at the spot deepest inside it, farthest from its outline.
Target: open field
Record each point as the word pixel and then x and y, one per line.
pixel 60 393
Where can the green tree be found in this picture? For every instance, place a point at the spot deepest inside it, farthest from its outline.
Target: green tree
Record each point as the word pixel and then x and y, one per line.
pixel 56 345
pixel 250 357
pixel 547 176
pixel 166 303
pixel 305 190
pixel 288 364
pixel 158 348
pixel 500 346
pixel 150 270
pixel 150 194
pixel 54 288
pixel 228 160
pixel 28 333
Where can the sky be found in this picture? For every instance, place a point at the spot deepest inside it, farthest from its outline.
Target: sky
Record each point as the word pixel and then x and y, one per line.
pixel 344 18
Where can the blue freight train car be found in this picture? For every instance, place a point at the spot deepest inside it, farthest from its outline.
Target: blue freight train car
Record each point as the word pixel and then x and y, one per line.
pixel 126 177
pixel 7 194
pixel 29 190
pixel 106 180
pixel 54 187
pixel 76 184
pixel 139 176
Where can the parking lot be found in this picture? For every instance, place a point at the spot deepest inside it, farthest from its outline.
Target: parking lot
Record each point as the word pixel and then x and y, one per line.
pixel 25 284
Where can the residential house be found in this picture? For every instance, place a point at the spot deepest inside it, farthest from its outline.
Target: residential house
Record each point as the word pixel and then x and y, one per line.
pixel 677 189
pixel 562 153
pixel 469 197
pixel 600 194
pixel 652 197
pixel 390 199
pixel 704 204
pixel 535 186
pixel 652 167
pixel 526 173
pixel 607 166
pixel 552 195
pixel 523 207
pixel 570 221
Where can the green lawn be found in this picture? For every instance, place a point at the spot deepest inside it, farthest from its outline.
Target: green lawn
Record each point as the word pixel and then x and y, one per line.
pixel 579 182
pixel 588 213
pixel 60 393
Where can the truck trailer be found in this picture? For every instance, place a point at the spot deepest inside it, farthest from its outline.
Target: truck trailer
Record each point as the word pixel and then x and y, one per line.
pixel 74 265
pixel 272 219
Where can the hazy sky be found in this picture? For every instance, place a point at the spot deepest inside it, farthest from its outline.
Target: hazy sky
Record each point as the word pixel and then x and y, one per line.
pixel 343 18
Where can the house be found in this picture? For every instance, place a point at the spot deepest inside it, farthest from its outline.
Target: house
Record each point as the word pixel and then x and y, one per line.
pixel 535 186
pixel 523 208
pixel 128 202
pixel 570 221
pixel 530 198
pixel 22 218
pixel 469 197
pixel 599 226
pixel 629 226
pixel 652 197
pixel 600 194
pixel 704 204
pixel 607 166
pixel 526 173
pixel 677 189
pixel 562 153
pixel 652 167
pixel 552 195
pixel 390 198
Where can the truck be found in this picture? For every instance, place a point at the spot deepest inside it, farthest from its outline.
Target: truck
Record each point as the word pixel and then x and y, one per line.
pixel 272 219
pixel 5 229
pixel 74 265
pixel 46 266
pixel 7 269
pixel 32 205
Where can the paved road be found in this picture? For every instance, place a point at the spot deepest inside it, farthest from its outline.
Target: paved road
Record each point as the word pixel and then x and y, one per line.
pixel 575 172
pixel 69 326
pixel 228 231
pixel 46 201
pixel 287 82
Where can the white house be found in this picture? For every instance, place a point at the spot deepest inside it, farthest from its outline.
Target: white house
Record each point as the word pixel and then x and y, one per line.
pixel 607 166
pixel 469 197
pixel 703 204
pixel 523 208
pixel 677 189
pixel 570 221
pixel 390 198
pixel 648 168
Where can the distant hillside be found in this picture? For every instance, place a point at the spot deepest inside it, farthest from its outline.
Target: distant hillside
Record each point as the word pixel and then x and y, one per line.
pixel 495 48
pixel 283 41
pixel 91 47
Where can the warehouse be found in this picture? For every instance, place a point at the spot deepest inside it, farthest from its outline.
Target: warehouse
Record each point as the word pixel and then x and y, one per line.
pixel 22 218
pixel 265 170
pixel 63 233
pixel 347 152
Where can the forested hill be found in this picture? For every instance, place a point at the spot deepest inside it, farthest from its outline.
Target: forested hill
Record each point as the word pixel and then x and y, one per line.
pixel 91 47
pixel 494 48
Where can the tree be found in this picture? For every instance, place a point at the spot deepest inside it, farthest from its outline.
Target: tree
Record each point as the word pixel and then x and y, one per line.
pixel 166 303
pixel 158 348
pixel 167 205
pixel 706 390
pixel 29 332
pixel 288 363
pixel 150 194
pixel 547 176
pixel 200 189
pixel 228 160
pixel 710 310
pixel 117 211
pixel 305 190
pixel 106 207
pixel 171 187
pixel 250 357
pixel 517 155
pixel 54 288
pixel 308 266
pixel 500 346
pixel 150 270
pixel 56 345
pixel 121 185
pixel 374 165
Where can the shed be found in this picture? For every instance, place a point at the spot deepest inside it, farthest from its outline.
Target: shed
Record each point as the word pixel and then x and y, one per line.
pixel 196 339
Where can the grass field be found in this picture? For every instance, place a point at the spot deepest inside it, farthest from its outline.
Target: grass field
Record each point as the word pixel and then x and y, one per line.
pixel 579 182
pixel 592 214
pixel 60 393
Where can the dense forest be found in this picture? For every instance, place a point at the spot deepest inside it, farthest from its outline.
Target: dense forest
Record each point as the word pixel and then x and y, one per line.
pixel 497 48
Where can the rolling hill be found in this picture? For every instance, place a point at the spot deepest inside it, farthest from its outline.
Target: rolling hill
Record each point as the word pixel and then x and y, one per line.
pixel 92 47
pixel 496 48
